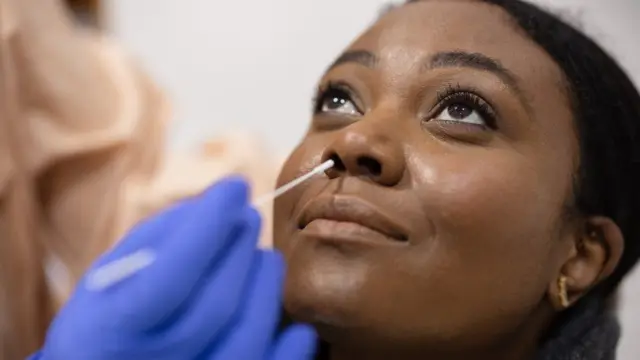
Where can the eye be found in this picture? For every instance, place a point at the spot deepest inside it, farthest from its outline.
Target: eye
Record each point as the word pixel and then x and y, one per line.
pixel 335 100
pixel 466 108
pixel 461 113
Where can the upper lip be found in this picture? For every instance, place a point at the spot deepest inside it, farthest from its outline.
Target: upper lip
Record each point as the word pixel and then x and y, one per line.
pixel 354 210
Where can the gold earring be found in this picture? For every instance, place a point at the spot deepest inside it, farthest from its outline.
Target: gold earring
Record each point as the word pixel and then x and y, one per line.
pixel 563 296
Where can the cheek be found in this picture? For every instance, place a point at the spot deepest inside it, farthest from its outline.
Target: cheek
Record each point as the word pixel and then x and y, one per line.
pixel 496 197
pixel 494 217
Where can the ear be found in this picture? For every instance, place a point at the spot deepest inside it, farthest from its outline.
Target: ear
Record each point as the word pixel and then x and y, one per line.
pixel 594 255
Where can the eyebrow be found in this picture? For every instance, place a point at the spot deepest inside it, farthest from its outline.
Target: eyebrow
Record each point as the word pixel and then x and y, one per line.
pixel 475 61
pixel 362 57
pixel 480 62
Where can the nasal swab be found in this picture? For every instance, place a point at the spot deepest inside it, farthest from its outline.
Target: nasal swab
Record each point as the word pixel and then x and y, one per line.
pixel 286 187
pixel 120 269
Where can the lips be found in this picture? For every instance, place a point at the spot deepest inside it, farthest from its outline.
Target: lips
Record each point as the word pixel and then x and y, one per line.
pixel 351 211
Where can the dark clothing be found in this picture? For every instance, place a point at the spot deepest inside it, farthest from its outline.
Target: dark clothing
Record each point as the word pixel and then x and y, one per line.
pixel 590 331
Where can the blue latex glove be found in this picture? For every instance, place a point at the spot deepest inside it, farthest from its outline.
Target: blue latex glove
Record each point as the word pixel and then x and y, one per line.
pixel 210 294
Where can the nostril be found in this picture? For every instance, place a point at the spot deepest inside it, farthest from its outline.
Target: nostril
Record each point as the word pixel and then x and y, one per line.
pixel 338 167
pixel 338 164
pixel 369 165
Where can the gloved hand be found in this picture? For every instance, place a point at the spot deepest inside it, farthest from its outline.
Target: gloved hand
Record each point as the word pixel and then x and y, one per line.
pixel 210 294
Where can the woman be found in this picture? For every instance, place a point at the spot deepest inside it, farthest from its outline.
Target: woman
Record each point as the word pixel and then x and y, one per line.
pixel 481 207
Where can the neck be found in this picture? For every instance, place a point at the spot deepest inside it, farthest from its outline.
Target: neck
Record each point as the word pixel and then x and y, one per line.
pixel 521 353
pixel 521 343
pixel 588 331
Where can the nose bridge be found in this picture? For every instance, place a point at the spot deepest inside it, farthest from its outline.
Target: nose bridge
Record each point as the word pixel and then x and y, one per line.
pixel 371 148
pixel 378 129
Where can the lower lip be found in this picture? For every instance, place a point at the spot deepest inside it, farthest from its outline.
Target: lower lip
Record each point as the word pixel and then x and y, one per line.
pixel 341 232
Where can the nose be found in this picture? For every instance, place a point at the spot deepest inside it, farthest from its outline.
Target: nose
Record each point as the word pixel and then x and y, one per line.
pixel 365 153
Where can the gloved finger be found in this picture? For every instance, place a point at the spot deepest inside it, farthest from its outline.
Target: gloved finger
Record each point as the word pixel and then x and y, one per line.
pixel 258 320
pixel 222 293
pixel 148 233
pixel 188 251
pixel 298 342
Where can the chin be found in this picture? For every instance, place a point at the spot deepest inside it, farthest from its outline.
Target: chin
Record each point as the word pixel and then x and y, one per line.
pixel 346 296
pixel 326 288
pixel 339 316
pixel 336 321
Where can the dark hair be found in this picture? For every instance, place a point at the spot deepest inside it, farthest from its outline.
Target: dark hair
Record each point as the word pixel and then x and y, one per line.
pixel 606 108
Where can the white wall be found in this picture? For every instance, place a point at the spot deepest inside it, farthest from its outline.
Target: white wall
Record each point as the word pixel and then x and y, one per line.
pixel 253 64
pixel 250 64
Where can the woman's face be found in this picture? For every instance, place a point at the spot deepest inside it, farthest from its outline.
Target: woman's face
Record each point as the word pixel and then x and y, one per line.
pixel 442 222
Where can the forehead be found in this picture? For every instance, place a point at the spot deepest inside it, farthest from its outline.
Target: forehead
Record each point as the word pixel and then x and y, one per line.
pixel 409 34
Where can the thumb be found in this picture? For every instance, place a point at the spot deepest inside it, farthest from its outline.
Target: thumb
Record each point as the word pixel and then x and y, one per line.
pixel 298 342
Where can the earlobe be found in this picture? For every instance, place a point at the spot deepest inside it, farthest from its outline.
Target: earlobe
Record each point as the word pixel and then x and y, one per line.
pixel 595 254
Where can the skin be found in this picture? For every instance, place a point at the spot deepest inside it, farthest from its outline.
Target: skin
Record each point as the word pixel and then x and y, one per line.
pixel 436 236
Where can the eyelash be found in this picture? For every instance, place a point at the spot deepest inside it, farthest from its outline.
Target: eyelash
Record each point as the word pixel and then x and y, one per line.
pixel 453 94
pixel 331 88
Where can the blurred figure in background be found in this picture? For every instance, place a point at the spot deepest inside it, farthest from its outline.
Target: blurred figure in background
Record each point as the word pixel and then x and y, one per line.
pixel 81 160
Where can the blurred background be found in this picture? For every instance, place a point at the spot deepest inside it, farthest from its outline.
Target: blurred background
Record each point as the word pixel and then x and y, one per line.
pixel 252 66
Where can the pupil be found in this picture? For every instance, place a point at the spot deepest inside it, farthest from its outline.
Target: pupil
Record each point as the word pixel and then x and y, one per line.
pixel 459 111
pixel 336 102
